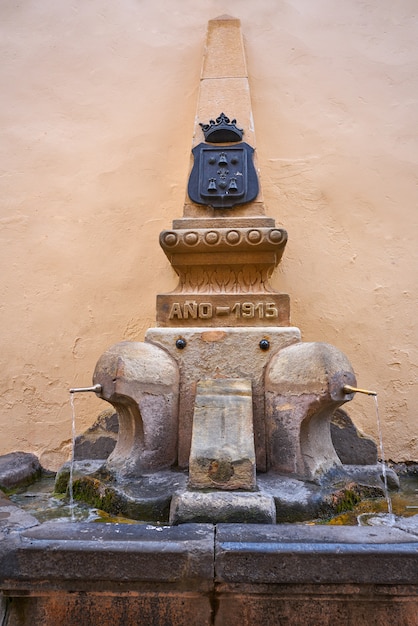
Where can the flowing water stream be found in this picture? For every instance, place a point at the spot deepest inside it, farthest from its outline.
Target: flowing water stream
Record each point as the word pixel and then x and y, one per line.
pixel 73 436
pixel 382 457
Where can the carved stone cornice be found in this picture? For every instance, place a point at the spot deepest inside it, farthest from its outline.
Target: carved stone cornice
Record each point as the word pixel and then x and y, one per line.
pixel 224 260
pixel 208 241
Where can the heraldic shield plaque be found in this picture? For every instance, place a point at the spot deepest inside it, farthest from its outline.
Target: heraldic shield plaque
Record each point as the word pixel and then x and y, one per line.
pixel 223 176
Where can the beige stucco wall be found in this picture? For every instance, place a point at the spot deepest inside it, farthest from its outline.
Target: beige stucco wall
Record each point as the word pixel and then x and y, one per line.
pixel 97 109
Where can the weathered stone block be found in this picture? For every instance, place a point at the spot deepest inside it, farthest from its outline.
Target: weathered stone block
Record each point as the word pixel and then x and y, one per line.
pixel 304 385
pixel 103 556
pixel 142 382
pixel 144 608
pixel 18 468
pixel 147 497
pixel 297 554
pixel 98 441
pixel 221 353
pixel 89 574
pixel 225 55
pixel 311 604
pixel 221 506
pixel 351 445
pixel 222 455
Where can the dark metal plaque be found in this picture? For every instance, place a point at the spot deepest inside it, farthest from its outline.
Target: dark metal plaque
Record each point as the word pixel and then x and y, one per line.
pixel 223 176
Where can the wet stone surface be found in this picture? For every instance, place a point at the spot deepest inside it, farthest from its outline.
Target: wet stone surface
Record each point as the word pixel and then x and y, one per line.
pixel 18 468
pixel 13 518
pixel 100 439
pixel 192 506
pixel 352 446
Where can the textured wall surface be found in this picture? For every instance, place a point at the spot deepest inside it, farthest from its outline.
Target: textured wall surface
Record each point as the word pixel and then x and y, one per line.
pixel 97 111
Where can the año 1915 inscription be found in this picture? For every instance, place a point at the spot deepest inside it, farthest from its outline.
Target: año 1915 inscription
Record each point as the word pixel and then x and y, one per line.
pixel 223 310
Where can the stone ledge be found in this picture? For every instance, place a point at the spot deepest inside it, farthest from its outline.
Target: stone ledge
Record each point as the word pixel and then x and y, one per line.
pixel 322 555
pixel 102 556
pixel 56 553
pixel 112 573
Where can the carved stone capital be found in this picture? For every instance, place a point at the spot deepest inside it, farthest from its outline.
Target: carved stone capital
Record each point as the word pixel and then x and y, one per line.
pixel 224 260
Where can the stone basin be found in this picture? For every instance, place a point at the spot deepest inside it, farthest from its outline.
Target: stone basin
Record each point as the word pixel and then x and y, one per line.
pixel 204 574
pixel 73 573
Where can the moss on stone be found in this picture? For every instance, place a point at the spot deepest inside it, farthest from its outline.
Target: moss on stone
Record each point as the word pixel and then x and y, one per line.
pixel 61 481
pixel 94 493
pixel 347 498
pixel 109 499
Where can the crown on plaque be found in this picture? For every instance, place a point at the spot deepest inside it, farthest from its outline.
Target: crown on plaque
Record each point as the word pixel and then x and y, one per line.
pixel 222 130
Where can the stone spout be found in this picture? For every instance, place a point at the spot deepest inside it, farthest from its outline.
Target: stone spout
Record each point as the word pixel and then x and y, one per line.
pixel 95 389
pixel 350 389
pixel 304 385
pixel 141 381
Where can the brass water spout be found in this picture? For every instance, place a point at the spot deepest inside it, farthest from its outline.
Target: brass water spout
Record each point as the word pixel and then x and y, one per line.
pixel 350 389
pixel 95 389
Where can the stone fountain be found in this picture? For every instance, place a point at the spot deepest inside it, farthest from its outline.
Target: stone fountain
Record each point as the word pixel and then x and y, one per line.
pixel 224 413
pixel 223 416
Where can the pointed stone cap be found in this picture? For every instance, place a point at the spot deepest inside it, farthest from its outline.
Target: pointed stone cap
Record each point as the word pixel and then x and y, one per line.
pixel 224 55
